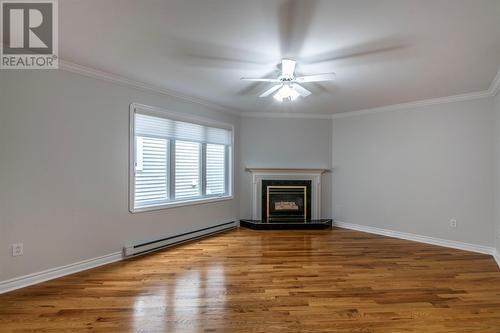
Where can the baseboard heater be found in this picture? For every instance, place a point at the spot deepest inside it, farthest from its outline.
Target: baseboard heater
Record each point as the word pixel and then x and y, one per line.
pixel 153 245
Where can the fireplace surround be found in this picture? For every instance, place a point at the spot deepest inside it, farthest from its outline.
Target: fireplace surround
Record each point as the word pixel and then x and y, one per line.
pixel 297 178
pixel 261 174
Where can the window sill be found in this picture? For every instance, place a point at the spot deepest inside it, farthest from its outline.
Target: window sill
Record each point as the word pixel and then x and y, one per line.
pixel 193 202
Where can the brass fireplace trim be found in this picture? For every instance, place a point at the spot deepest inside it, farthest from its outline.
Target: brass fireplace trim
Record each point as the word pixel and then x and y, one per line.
pixel 287 186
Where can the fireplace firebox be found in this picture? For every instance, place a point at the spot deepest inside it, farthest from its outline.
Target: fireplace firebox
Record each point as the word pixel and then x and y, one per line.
pixel 286 200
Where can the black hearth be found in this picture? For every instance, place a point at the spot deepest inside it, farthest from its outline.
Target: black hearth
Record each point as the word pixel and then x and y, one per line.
pixel 288 225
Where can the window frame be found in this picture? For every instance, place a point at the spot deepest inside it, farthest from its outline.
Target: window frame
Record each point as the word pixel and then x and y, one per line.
pixel 163 113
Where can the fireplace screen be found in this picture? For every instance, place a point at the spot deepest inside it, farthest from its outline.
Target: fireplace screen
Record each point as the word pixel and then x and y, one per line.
pixel 286 200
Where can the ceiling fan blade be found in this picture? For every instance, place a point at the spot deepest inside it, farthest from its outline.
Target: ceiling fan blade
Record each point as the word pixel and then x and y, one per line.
pixel 358 52
pixel 270 90
pixel 287 67
pixel 295 18
pixel 316 77
pixel 260 80
pixel 301 90
pixel 214 55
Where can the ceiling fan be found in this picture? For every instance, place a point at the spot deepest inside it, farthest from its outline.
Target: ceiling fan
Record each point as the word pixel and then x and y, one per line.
pixel 287 86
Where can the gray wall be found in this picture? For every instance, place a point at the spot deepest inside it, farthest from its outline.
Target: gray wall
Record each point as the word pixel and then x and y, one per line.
pixel 412 170
pixel 64 171
pixel 288 143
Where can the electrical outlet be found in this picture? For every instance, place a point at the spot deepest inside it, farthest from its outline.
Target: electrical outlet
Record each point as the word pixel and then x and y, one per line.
pixel 17 249
pixel 453 223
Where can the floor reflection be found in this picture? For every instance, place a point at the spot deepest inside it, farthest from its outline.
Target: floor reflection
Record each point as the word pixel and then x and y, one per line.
pixel 186 300
pixel 149 312
pixel 183 303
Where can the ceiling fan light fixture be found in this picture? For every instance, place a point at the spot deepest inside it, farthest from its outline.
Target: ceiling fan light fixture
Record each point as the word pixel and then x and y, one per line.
pixel 286 92
pixel 287 87
pixel 287 67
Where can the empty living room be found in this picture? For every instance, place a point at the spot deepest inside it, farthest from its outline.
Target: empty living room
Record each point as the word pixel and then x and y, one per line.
pixel 260 166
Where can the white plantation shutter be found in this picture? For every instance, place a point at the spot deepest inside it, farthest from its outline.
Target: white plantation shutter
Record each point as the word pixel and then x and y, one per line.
pixel 176 160
pixel 151 171
pixel 146 125
pixel 187 169
pixel 216 169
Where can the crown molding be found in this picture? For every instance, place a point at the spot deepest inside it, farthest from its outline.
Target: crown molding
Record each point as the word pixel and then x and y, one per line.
pixel 123 81
pixel 105 76
pixel 102 75
pixel 416 104
pixel 492 91
pixel 285 115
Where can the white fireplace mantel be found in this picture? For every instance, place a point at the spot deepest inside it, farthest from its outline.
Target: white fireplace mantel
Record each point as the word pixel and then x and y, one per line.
pixel 286 170
pixel 259 174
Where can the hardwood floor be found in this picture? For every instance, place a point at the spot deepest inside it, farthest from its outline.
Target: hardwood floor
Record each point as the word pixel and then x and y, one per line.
pixel 271 281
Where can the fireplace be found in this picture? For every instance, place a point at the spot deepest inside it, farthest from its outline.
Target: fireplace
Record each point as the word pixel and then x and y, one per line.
pixel 294 200
pixel 286 200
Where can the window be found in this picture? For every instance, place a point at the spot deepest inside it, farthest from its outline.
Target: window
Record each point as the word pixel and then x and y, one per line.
pixel 151 171
pixel 187 169
pixel 177 160
pixel 216 166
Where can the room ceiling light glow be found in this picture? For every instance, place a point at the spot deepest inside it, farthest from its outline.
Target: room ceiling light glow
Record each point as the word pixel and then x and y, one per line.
pixel 286 92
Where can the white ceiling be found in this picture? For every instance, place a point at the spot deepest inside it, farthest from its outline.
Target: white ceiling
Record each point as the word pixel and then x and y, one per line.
pixel 383 51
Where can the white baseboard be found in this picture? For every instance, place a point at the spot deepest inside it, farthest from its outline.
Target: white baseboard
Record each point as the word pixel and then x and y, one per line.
pixel 496 256
pixel 49 274
pixel 53 273
pixel 418 238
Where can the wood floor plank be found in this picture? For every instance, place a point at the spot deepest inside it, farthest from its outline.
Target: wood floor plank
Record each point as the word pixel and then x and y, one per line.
pixel 271 281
